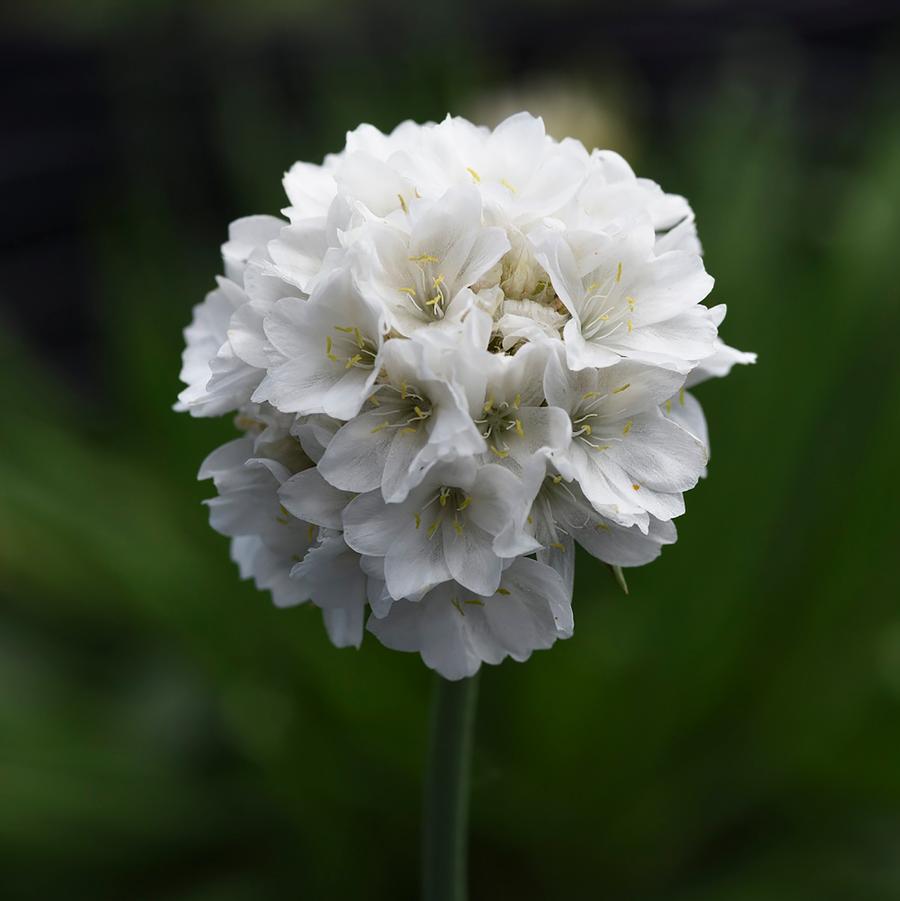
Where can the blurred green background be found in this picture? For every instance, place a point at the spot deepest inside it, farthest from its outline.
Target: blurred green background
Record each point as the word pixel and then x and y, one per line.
pixel 729 731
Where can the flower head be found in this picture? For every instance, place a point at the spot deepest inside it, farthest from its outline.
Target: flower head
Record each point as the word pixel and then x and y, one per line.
pixel 463 354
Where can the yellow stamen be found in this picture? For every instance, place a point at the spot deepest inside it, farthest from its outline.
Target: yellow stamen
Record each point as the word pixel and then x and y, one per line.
pixel 669 405
pixel 628 426
pixel 410 291
pixel 630 326
pixel 681 397
pixel 620 390
pixel 403 205
pixel 424 258
pixel 508 186
pixel 520 430
pixel 636 487
pixel 500 453
pixel 618 273
pixel 418 517
pixel 475 176
pixel 558 546
pixel 503 591
pixel 465 503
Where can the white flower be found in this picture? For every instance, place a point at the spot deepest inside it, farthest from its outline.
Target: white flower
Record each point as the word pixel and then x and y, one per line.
pixel 223 361
pixel 630 461
pixel 463 354
pixel 326 351
pixel 419 413
pixel 627 302
pixel 420 277
pixel 454 525
pixel 456 630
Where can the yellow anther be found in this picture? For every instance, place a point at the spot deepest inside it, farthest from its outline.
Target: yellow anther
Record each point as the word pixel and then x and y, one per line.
pixel 458 606
pixel 420 412
pixel 352 361
pixel 504 591
pixel 434 300
pixel 475 601
pixel 346 329
pixel 488 404
pixel 628 426
pixel 374 401
pixel 433 528
pixel 424 258
pixel 408 430
pixel 681 397
pixel 636 487
pixel 530 519
pixel 403 390
pixel 601 447
pixel 418 517
pixel 556 479
pixel 602 526
pixel 379 427
pixel 630 326
pixel 475 176
pixel 457 527
pixel 502 454
pixel 603 317
pixel 587 430
pixel 669 405
pixel 508 186
pixel 360 341
pixel 618 273
pixel 558 546
pixel 588 395
pixel 403 205
pixel 622 388
pixel 437 280
pixel 465 503
pixel 410 291
pixel 593 286
pixel 520 430
pixel 312 533
pixel 517 401
pixel 328 352
pixel 442 498
pixel 630 301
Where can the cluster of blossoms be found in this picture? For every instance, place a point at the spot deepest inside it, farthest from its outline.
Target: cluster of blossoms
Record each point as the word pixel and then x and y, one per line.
pixel 465 352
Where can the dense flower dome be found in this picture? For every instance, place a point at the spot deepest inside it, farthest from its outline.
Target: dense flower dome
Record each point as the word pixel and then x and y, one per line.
pixel 463 353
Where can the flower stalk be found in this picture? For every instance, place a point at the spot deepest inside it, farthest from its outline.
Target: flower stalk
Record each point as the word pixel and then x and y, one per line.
pixel 447 783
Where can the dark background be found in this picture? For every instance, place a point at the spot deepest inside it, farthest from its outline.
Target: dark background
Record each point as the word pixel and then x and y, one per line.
pixel 729 731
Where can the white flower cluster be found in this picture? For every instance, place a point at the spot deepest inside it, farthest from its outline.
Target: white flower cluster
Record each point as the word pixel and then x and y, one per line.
pixel 464 352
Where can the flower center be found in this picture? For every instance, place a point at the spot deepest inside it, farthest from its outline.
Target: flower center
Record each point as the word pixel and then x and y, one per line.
pixel 448 502
pixel 404 407
pixel 349 346
pixel 500 423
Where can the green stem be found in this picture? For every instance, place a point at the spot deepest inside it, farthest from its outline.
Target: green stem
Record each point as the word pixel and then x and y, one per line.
pixel 445 833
